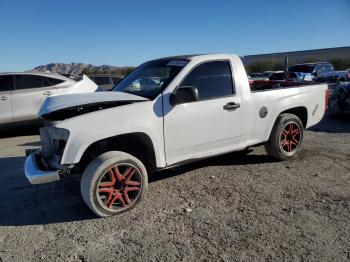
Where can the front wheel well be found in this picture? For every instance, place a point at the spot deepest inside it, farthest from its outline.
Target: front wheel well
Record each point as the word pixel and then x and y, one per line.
pixel 138 145
pixel 300 112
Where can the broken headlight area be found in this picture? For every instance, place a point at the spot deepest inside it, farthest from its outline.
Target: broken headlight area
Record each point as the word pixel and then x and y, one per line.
pixel 53 142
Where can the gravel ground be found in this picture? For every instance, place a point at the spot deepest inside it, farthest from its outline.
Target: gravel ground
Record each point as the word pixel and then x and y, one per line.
pixel 234 207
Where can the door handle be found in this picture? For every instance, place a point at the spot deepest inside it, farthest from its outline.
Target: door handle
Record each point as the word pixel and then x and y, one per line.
pixel 47 93
pixel 3 98
pixel 231 106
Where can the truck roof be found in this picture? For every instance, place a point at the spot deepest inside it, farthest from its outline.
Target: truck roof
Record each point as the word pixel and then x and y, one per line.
pixel 191 57
pixel 179 57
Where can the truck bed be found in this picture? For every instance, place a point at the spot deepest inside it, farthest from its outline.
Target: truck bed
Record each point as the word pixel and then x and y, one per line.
pixel 264 85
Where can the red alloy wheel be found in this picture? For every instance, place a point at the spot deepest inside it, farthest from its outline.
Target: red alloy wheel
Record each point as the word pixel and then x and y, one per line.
pixel 290 138
pixel 119 187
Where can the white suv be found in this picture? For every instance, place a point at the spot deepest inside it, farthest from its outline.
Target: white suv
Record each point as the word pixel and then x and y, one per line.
pixel 22 94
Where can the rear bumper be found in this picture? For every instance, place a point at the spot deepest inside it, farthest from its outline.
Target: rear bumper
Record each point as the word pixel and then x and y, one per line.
pixel 35 175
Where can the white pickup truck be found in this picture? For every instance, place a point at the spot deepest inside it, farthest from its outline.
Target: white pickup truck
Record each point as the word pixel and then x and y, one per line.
pixel 167 112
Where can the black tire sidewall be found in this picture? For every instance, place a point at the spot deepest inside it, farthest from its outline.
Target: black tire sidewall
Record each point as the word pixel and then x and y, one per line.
pixel 283 123
pixel 273 146
pixel 97 168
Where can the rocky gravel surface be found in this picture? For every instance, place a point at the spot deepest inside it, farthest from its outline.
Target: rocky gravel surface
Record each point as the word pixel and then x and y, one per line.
pixel 236 207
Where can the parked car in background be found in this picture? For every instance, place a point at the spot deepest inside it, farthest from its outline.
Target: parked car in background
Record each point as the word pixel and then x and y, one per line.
pixel 203 106
pixel 22 94
pixel 293 76
pixel 253 75
pixel 277 75
pixel 339 102
pixel 268 73
pixel 257 76
pixel 300 76
pixel 334 77
pixel 105 82
pixel 315 69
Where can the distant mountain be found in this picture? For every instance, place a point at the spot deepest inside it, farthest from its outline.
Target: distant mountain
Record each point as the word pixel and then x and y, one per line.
pixel 75 69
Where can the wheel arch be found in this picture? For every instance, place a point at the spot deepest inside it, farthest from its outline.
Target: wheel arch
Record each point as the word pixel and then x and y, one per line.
pixel 301 112
pixel 138 144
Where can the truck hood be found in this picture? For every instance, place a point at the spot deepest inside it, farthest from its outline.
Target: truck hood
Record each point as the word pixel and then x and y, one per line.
pixel 66 106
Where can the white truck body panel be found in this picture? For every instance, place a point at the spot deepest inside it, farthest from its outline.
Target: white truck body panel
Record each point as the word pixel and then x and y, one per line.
pixel 197 129
pixel 278 101
pixel 188 134
pixel 189 127
pixel 144 117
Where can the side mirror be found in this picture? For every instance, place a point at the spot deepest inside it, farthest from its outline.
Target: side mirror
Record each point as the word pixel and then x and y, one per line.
pixel 184 94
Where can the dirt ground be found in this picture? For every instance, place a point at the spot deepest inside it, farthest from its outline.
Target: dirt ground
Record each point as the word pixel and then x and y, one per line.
pixel 234 207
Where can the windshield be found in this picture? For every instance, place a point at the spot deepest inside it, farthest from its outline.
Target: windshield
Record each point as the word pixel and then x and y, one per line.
pixel 302 68
pixel 150 78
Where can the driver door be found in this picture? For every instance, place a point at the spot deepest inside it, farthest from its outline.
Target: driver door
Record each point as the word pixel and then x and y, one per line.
pixel 208 126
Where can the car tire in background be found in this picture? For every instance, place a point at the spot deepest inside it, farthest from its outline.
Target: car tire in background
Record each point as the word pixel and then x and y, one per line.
pixel 286 137
pixel 113 183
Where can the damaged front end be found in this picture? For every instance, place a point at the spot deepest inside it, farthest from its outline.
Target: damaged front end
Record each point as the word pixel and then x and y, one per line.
pixel 43 165
pixel 53 142
pixel 73 111
pixel 57 108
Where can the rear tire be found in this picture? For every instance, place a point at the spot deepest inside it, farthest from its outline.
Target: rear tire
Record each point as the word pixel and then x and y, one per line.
pixel 286 137
pixel 113 183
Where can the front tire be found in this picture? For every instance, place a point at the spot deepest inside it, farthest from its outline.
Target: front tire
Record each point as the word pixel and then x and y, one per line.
pixel 286 137
pixel 113 183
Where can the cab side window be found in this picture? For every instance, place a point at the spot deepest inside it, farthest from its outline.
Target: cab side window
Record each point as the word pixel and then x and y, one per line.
pixel 6 83
pixel 328 68
pixel 212 79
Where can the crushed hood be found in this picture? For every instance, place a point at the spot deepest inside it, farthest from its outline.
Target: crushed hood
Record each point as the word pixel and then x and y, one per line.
pixel 77 104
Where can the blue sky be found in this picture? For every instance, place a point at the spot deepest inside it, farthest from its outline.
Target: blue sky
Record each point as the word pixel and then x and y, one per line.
pixel 129 32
